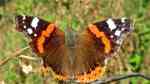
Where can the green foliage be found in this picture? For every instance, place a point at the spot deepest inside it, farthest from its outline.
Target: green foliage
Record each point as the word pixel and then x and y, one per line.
pixel 137 80
pixel 9 40
pixel 64 23
pixel 135 61
pixel 75 23
pixel 37 79
pixel 10 74
pixel 24 7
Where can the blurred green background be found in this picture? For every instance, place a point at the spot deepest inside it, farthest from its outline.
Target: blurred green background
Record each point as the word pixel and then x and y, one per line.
pixel 135 52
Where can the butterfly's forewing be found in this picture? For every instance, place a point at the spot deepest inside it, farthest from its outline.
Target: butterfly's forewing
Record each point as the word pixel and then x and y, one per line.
pixel 115 30
pixel 47 41
pixel 96 44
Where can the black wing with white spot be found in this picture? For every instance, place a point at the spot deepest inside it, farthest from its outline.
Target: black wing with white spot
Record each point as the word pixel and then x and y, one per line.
pixel 30 25
pixel 115 30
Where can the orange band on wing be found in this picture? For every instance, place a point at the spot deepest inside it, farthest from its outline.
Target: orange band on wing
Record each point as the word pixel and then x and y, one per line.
pixel 102 36
pixel 60 77
pixel 93 75
pixel 45 34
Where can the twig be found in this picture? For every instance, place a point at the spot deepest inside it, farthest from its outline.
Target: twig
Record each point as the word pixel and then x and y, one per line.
pixel 28 57
pixel 121 77
pixel 12 56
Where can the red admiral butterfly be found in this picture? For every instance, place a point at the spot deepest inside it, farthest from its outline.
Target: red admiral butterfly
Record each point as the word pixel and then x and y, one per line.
pixel 80 56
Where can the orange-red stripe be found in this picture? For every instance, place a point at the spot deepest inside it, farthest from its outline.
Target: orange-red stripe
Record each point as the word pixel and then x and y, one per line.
pixel 102 36
pixel 93 75
pixel 45 34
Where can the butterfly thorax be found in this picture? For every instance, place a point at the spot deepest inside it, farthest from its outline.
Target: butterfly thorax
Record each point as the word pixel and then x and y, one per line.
pixel 70 43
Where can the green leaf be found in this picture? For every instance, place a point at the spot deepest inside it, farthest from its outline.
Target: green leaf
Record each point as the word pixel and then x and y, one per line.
pixel 135 61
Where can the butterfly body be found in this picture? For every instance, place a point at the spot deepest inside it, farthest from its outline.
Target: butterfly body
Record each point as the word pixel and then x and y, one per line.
pixel 79 56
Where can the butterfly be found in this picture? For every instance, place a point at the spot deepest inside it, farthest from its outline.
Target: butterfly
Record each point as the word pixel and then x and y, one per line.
pixel 80 56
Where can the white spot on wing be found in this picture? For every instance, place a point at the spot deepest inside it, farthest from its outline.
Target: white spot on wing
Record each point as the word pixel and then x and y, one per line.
pixel 23 17
pixel 123 19
pixel 34 22
pixel 117 32
pixel 122 29
pixel 29 31
pixel 35 35
pixel 24 26
pixel 111 36
pixel 111 24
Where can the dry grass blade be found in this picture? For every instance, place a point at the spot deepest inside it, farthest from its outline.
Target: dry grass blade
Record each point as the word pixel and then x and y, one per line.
pixel 12 56
pixel 28 57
